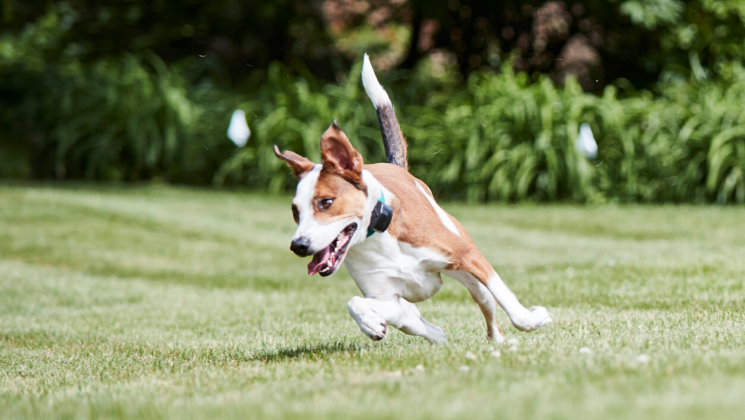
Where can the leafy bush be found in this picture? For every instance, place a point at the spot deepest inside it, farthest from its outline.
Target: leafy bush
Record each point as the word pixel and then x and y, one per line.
pixel 293 113
pixel 507 139
pixel 503 139
pixel 116 118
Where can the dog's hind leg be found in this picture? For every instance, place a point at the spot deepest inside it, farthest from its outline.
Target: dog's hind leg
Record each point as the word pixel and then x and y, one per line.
pixel 522 318
pixel 474 265
pixel 486 301
pixel 374 315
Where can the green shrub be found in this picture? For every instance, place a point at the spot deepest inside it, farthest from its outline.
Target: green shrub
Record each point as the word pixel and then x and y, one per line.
pixel 293 113
pixel 115 118
pixel 507 139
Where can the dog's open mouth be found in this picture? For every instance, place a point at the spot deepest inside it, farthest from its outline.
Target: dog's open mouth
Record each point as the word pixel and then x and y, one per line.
pixel 328 260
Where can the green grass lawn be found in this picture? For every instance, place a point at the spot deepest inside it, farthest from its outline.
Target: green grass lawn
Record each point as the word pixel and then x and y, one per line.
pixel 156 302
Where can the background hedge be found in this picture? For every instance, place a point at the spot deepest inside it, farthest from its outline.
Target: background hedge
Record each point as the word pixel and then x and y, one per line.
pixel 118 92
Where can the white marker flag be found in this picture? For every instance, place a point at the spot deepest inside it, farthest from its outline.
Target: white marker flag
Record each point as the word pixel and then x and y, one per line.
pixel 585 143
pixel 238 130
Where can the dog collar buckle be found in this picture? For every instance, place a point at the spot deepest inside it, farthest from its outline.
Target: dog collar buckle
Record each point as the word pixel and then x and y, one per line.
pixel 381 217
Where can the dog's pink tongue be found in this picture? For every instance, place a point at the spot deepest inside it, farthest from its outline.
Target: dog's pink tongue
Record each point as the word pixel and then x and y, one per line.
pixel 319 259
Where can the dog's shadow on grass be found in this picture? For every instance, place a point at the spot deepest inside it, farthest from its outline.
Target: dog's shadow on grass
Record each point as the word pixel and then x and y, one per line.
pixel 307 351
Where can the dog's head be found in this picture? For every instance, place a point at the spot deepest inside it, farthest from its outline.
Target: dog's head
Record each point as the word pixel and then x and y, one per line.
pixel 330 202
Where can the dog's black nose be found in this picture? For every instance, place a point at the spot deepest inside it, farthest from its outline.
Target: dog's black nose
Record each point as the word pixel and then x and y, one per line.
pixel 300 246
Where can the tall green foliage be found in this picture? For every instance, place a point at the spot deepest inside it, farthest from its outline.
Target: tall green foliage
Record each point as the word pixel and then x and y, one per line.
pixel 292 113
pixel 504 139
pixel 501 137
pixel 507 139
pixel 115 118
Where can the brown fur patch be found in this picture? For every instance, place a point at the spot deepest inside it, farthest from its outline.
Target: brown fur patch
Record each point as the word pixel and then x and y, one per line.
pixel 348 200
pixel 300 165
pixel 416 222
pixel 339 156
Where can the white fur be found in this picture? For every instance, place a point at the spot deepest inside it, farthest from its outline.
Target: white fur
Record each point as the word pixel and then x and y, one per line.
pixel 392 275
pixel 304 195
pixel 319 234
pixel 444 218
pixel 383 267
pixel 373 315
pixel 522 319
pixel 375 91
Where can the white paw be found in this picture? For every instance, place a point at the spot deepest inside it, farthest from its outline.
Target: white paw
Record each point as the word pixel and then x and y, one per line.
pixel 540 317
pixel 373 326
pixel 435 334
pixel 496 336
pixel 537 317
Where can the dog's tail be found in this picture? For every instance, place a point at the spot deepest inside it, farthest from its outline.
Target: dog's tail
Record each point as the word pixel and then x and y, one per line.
pixel 393 139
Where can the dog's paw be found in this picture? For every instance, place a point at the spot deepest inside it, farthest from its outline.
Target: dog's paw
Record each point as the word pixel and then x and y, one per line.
pixel 372 324
pixel 435 334
pixel 540 317
pixel 537 317
pixel 374 329
pixel 496 336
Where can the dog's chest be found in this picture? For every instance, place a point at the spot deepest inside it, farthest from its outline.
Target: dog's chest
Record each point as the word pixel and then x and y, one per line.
pixel 383 267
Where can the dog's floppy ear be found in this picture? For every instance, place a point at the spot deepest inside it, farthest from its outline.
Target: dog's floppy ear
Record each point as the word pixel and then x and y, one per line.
pixel 299 165
pixel 339 156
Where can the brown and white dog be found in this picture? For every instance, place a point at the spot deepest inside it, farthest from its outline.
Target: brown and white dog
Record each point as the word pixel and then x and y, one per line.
pixel 401 265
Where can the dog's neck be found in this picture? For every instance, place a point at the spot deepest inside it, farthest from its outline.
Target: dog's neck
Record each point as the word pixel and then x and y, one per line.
pixel 375 192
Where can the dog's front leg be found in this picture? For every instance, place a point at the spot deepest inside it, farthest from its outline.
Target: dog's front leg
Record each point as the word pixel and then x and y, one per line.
pixel 374 315
pixel 369 316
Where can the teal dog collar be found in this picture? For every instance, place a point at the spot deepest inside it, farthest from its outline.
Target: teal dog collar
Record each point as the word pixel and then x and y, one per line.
pixel 381 216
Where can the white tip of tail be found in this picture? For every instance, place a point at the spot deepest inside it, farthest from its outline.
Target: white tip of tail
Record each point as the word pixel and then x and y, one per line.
pixel 374 90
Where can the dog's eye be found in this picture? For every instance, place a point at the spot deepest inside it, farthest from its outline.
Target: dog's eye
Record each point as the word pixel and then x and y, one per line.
pixel 295 214
pixel 325 203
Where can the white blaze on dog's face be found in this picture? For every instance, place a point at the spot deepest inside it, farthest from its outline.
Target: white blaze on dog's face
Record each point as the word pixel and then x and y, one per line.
pixel 330 202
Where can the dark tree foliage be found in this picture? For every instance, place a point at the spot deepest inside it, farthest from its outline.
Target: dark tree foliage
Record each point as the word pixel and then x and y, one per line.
pixel 598 41
pixel 592 39
pixel 241 36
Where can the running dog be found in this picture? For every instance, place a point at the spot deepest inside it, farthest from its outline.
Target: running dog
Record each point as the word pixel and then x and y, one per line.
pixel 394 239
